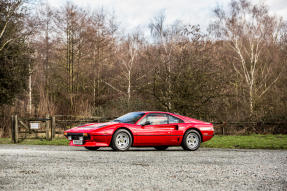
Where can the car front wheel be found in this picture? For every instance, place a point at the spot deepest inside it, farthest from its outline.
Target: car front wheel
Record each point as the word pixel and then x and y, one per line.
pixel 191 140
pixel 122 140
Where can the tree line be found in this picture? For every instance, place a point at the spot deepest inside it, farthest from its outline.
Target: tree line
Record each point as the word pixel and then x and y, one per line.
pixel 78 62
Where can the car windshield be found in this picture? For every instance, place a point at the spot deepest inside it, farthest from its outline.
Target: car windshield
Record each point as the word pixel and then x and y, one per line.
pixel 131 118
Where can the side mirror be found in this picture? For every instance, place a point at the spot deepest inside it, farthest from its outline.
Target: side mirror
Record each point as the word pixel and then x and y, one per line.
pixel 146 123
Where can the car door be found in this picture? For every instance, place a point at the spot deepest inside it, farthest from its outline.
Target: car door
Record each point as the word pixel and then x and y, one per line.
pixel 155 130
pixel 177 132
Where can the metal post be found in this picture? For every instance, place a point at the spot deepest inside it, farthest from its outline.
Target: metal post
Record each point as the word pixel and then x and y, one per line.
pixel 47 127
pixel 53 127
pixel 12 129
pixel 16 129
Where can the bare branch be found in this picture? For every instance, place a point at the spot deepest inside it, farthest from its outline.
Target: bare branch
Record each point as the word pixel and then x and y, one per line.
pixel 270 85
pixel 7 42
pixel 114 88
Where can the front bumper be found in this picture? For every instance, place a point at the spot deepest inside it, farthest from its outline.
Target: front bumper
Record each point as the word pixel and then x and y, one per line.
pixel 90 140
pixel 207 136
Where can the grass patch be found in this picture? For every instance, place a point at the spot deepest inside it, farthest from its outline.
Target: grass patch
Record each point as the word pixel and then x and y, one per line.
pixel 5 141
pixel 57 141
pixel 233 142
pixel 248 142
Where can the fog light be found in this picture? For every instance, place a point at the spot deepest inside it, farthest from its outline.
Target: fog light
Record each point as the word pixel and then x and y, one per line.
pixel 70 138
pixel 81 138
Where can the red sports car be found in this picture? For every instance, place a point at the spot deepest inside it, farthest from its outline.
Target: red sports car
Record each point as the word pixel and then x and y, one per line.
pixel 143 128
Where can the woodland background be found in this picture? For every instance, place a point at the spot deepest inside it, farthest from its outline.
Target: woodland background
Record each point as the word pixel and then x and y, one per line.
pixel 71 61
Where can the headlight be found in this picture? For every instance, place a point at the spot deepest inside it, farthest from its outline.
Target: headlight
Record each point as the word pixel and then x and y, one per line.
pixel 70 138
pixel 207 129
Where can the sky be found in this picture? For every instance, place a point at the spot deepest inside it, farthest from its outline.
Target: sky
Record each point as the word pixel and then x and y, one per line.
pixel 132 14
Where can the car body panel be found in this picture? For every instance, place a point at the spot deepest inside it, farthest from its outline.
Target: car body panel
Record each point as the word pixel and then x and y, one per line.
pixel 171 134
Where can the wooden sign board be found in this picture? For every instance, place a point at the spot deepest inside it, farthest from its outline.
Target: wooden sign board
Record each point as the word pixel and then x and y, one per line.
pixel 34 125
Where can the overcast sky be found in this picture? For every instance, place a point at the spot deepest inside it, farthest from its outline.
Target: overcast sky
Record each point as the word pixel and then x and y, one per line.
pixel 137 13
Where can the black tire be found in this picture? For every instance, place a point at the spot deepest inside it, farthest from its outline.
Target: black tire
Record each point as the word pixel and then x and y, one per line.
pixel 187 143
pixel 161 148
pixel 121 144
pixel 92 148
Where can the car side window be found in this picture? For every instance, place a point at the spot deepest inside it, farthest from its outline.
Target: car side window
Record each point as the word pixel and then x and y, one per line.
pixel 155 119
pixel 173 119
pixel 142 121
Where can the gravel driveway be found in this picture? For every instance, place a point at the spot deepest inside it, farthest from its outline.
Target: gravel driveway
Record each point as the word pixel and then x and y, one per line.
pixel 25 167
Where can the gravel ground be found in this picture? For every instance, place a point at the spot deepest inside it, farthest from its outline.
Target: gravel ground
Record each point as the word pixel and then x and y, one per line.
pixel 24 167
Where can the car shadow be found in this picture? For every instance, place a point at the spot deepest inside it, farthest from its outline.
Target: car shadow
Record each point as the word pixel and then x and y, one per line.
pixel 134 149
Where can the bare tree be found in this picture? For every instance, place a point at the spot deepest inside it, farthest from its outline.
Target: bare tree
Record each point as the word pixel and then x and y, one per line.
pixel 71 21
pixel 127 78
pixel 248 30
pixel 163 36
pixel 127 60
pixel 100 42
pixel 40 75
pixel 46 16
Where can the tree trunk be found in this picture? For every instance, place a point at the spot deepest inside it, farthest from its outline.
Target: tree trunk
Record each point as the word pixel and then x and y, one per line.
pixel 251 102
pixel 129 88
pixel 30 91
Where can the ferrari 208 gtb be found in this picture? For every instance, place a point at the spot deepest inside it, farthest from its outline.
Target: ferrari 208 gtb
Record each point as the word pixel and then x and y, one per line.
pixel 145 128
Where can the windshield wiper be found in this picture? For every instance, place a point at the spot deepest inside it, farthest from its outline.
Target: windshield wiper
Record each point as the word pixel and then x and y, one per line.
pixel 116 120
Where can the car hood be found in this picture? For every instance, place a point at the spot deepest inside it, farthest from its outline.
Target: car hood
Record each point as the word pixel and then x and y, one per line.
pixel 90 126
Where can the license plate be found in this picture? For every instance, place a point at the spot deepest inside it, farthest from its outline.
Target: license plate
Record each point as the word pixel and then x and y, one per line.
pixel 77 142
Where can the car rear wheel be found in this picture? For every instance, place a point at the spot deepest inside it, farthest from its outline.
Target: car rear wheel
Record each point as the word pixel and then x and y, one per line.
pixel 191 140
pixel 161 148
pixel 92 148
pixel 122 140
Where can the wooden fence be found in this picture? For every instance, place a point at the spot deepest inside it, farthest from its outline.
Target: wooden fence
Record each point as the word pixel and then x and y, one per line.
pixel 46 128
pixel 243 128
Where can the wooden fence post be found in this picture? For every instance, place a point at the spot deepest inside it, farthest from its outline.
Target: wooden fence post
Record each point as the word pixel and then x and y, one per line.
pixel 47 126
pixel 12 129
pixel 223 128
pixel 53 127
pixel 16 129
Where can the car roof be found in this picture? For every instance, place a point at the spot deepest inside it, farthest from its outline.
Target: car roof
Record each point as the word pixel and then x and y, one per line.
pixel 160 112
pixel 155 112
pixel 184 118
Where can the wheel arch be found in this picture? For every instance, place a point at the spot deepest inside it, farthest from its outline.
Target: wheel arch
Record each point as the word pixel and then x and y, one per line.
pixel 125 129
pixel 197 130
